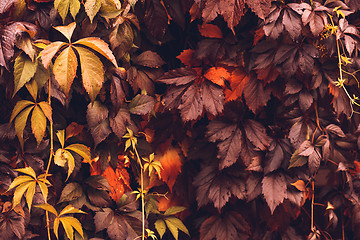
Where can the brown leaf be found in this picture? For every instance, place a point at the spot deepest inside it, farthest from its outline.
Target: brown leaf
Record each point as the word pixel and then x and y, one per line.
pixel 210 31
pixel 217 75
pixel 171 163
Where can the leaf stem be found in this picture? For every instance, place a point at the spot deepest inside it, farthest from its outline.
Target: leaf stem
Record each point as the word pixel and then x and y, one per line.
pixel 142 193
pixel 312 205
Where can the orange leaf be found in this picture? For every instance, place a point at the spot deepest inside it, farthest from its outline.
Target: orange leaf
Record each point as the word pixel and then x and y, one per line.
pixel 300 185
pixel 119 179
pixel 333 90
pixel 357 166
pixel 238 80
pixel 171 164
pixel 210 31
pixel 186 56
pixel 259 34
pixel 217 75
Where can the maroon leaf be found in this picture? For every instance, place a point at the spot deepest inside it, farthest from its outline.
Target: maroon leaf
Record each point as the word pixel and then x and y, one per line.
pixel 314 161
pixel 306 148
pixel 9 35
pixel 256 133
pixel 274 189
pixel 5 5
pixel 218 186
pixel 97 117
pixel 117 93
pixel 278 153
pixel 149 59
pixel 253 187
pixel 119 123
pixel 156 18
pixel 12 225
pixel 139 79
pixel 179 76
pixel 228 225
pixel 253 89
pixel 305 99
pixel 232 11
pixel 334 129
pixel 260 7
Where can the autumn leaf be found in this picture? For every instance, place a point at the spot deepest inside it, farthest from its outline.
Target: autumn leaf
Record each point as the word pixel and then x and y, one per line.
pixel 24 70
pixel 210 31
pixel 171 163
pixel 238 79
pixel 274 190
pixel 217 75
pixel 66 6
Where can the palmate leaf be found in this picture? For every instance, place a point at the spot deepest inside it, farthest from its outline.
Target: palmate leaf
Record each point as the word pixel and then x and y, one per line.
pixel 92 7
pixel 274 189
pixel 27 183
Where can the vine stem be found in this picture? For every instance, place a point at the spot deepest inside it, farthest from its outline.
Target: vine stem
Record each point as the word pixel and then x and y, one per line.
pixel 312 205
pixel 142 194
pixel 50 159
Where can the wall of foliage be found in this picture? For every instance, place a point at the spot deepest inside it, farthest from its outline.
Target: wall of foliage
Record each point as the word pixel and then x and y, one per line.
pixel 179 119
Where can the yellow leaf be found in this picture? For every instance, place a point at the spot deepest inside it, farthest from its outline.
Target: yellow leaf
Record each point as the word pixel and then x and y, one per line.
pixel 92 72
pixel 64 6
pixel 59 158
pixel 65 69
pixel 32 87
pixel 82 150
pixel 47 110
pixel 160 227
pixel 20 123
pixel 24 70
pixel 20 105
pixel 28 170
pixel 174 224
pixel 110 8
pixel 43 188
pixel 38 124
pixel 41 75
pixel 70 209
pixel 56 227
pixel 19 192
pixel 69 223
pixel 173 210
pixel 20 180
pixel 63 156
pixel 30 194
pixel 25 44
pixel 61 136
pixel 49 52
pixel 99 46
pixel 47 207
pixel 71 165
pixel 92 7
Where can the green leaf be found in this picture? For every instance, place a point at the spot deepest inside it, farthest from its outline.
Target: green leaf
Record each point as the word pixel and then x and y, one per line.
pixel 47 110
pixel 174 210
pixel 20 123
pixel 24 70
pixel 49 52
pixel 64 6
pixel 70 209
pixel 92 7
pixel 82 150
pixel 47 207
pixel 71 192
pixel 99 46
pixel 174 224
pixel 141 104
pixel 65 67
pixel 38 124
pixel 20 105
pixel 28 171
pixel 92 72
pixel 160 227
pixel 30 194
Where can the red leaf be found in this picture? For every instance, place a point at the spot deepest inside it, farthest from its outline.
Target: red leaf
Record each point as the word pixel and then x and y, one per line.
pixel 156 18
pixel 256 133
pixel 210 31
pixel 73 129
pixel 274 189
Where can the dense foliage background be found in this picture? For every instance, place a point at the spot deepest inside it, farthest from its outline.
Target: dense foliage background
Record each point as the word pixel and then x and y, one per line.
pixel 185 119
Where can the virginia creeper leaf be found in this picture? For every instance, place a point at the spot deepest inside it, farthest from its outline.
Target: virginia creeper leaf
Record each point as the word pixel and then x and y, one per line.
pixel 24 70
pixel 38 124
pixel 274 189
pixel 92 7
